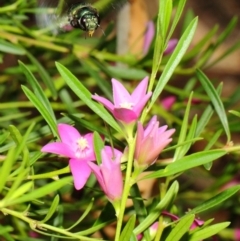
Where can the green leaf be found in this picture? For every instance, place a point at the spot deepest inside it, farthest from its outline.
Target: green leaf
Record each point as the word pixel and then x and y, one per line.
pixel 165 202
pixel 42 109
pixel 177 15
pixel 44 75
pixel 180 151
pixel 52 209
pixel 17 182
pixel 139 207
pixel 229 51
pixel 83 93
pixel 158 49
pixel 236 113
pixel 37 89
pixel 41 192
pixel 7 167
pixel 182 227
pixel 199 46
pixel 19 192
pixel 187 162
pixel 206 116
pixel 101 82
pixel 208 231
pixel 86 212
pixel 216 200
pixel 21 143
pixel 98 146
pixel 175 59
pixel 128 229
pixel 210 143
pixel 107 214
pixel 216 101
pixel 165 16
pixel 10 48
pixel 226 32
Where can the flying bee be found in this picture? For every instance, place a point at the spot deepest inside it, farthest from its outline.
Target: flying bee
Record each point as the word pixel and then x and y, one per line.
pixel 84 17
pixel 72 14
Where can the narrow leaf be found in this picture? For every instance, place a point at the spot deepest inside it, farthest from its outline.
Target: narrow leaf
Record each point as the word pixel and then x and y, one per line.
pixel 182 227
pixel 162 205
pixel 216 101
pixel 180 7
pixel 86 212
pixel 175 59
pixel 183 131
pixel 42 191
pixel 52 209
pixel 10 48
pixel 128 229
pixel 7 167
pixel 98 146
pixel 187 162
pixel 20 191
pixel 37 89
pixel 44 75
pixel 208 231
pixel 83 93
pixel 216 200
pixel 43 111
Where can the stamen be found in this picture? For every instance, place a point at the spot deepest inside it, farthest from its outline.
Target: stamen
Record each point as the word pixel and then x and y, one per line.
pixel 82 143
pixel 127 105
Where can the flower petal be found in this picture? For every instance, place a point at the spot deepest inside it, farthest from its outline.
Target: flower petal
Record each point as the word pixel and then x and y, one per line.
pixel 150 32
pixel 168 102
pixel 58 148
pixel 104 101
pixel 68 133
pixel 113 176
pixel 140 90
pixel 80 171
pixel 171 46
pixel 113 154
pixel 140 105
pixel 125 115
pixel 120 94
pixel 97 172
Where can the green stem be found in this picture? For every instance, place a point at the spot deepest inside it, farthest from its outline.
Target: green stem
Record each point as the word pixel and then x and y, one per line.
pixel 50 174
pixel 127 186
pixel 160 229
pixel 35 225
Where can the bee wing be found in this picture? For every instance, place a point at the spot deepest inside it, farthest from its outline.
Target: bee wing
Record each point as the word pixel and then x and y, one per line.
pixel 53 15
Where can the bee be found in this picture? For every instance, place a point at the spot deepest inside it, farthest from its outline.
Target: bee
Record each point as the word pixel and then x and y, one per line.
pixel 84 17
pixel 71 14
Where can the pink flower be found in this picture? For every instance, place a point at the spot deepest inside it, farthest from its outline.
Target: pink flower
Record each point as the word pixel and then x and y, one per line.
pixel 126 108
pixel 108 173
pixel 78 148
pixel 168 102
pixel 149 35
pixel 171 46
pixel 150 142
pixel 152 231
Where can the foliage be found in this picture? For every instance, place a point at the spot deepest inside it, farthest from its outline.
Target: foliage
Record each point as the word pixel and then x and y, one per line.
pixel 47 80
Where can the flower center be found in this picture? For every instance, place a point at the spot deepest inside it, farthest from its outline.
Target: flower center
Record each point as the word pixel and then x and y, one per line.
pixel 127 105
pixel 82 146
pixel 82 143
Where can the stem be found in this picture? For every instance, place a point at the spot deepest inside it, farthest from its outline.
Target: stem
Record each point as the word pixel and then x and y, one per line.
pixel 35 225
pixel 50 174
pixel 159 229
pixel 127 185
